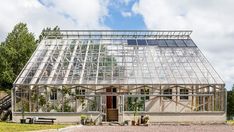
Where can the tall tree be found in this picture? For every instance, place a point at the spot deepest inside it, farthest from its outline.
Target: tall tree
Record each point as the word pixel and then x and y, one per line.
pixel 50 33
pixel 230 103
pixel 15 51
pixel 6 71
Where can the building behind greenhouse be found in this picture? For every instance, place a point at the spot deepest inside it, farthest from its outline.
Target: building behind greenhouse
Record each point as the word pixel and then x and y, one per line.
pixel 106 73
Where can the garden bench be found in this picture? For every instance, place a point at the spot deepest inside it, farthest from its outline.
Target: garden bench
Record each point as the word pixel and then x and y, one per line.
pixel 43 120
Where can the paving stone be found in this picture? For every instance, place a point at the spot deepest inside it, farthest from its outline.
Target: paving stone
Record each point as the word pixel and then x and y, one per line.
pixel 153 128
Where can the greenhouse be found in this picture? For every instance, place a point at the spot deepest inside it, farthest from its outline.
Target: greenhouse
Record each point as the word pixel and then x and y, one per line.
pixel 118 75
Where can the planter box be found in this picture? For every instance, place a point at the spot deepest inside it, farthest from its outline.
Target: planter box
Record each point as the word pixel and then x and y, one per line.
pixel 22 121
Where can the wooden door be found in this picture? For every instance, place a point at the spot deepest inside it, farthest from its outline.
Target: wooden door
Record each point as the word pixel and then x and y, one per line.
pixel 111 101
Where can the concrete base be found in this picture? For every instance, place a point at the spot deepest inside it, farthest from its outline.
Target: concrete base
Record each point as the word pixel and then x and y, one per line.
pixel 60 117
pixel 198 117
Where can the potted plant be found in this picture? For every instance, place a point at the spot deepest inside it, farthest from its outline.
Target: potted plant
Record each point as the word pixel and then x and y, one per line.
pixel 91 122
pixel 23 121
pixel 136 105
pixel 126 122
pixel 146 119
pixel 135 113
pixel 83 119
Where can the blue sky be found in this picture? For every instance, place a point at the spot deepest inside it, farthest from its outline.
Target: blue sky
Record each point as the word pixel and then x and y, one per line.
pixel 116 20
pixel 210 20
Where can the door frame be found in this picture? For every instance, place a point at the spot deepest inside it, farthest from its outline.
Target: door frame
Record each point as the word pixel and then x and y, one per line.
pixel 111 102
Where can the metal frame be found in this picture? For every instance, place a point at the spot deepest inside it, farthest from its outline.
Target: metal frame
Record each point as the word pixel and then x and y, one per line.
pixel 97 59
pixel 163 65
pixel 215 94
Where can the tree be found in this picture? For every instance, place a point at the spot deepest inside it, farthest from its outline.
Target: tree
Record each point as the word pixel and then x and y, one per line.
pixel 230 103
pixel 50 32
pixel 233 88
pixel 15 51
pixel 6 71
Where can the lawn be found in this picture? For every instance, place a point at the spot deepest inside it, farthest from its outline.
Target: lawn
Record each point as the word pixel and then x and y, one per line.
pixel 16 127
pixel 230 122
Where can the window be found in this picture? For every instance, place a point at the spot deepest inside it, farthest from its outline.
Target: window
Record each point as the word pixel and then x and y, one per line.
pixel 93 103
pixel 184 92
pixel 53 94
pixel 145 92
pixel 79 95
pixel 167 92
pixel 80 91
pixel 206 103
pixel 133 104
pixel 200 103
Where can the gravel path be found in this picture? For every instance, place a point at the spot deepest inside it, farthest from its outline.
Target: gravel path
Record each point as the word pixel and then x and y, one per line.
pixel 156 128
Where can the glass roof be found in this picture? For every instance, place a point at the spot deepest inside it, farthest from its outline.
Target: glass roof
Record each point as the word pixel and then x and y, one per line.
pixel 118 57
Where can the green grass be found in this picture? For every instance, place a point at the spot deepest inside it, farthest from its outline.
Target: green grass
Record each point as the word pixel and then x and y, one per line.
pixel 231 122
pixel 16 127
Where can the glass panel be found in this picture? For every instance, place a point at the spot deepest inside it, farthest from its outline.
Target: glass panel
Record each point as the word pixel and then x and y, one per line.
pixel 180 42
pixel 162 42
pixel 171 43
pixel 189 43
pixel 167 92
pixel 184 92
pixel 141 42
pixel 118 60
pixel 152 42
pixel 131 42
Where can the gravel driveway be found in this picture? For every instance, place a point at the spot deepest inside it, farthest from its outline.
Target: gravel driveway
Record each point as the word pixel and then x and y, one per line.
pixel 155 128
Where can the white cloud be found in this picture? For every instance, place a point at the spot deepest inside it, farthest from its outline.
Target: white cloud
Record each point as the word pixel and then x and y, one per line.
pixel 88 14
pixel 126 14
pixel 72 14
pixel 212 23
